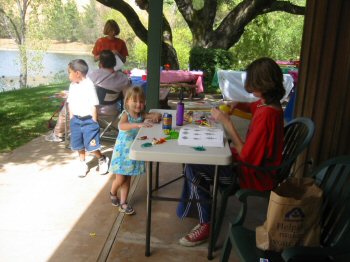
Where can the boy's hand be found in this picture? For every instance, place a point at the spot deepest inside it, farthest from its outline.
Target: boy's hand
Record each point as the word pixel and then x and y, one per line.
pixel 219 116
pixel 232 106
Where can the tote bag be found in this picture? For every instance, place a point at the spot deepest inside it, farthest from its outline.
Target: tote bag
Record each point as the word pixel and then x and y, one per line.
pixel 293 216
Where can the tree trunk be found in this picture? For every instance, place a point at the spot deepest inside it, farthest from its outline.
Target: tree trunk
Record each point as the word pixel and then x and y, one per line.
pixel 23 77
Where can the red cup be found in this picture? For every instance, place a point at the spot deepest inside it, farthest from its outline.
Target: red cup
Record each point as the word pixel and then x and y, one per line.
pixel 144 77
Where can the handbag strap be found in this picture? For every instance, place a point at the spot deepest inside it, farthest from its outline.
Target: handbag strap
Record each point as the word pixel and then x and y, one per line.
pixel 103 79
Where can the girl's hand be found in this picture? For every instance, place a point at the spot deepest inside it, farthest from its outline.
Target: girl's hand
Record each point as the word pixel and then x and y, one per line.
pixel 146 123
pixel 156 117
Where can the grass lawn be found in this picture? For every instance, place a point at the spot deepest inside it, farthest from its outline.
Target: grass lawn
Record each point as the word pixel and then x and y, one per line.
pixel 24 114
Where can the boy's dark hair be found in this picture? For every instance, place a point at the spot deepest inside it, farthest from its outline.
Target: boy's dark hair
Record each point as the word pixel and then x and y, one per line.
pixel 79 65
pixel 111 26
pixel 107 59
pixel 265 76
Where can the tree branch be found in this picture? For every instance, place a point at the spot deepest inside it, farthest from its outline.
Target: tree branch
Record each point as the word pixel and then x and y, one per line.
pixel 13 25
pixel 232 27
pixel 285 6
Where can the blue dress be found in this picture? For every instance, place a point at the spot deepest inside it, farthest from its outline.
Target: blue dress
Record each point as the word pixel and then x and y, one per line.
pixel 121 163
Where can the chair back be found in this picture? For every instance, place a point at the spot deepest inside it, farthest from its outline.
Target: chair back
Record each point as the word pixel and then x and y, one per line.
pixel 106 96
pixel 333 177
pixel 297 136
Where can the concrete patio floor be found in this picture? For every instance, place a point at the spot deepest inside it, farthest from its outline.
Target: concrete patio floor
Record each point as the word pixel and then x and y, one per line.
pixel 47 213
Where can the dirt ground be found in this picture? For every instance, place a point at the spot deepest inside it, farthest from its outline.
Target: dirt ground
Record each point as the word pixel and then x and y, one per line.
pixel 54 46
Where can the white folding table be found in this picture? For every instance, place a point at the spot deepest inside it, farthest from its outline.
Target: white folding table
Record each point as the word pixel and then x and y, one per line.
pixel 171 152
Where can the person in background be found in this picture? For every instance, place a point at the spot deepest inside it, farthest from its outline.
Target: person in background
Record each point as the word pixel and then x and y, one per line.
pixel 105 77
pixel 262 147
pixel 131 119
pixel 58 132
pixel 85 130
pixel 111 42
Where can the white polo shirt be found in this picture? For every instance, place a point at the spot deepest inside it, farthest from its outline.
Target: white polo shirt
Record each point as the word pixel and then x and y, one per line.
pixel 82 98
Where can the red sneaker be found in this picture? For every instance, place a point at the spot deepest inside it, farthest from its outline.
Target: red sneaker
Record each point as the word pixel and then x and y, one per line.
pixel 198 235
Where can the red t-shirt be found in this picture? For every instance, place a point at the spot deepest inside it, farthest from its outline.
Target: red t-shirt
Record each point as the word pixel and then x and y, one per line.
pixel 105 43
pixel 263 147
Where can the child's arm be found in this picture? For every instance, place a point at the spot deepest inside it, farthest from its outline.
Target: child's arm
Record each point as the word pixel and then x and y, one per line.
pixel 94 113
pixel 124 123
pixel 154 117
pixel 243 106
pixel 231 130
pixel 70 111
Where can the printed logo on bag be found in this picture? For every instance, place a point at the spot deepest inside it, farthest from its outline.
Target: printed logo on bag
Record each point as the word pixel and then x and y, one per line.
pixel 295 214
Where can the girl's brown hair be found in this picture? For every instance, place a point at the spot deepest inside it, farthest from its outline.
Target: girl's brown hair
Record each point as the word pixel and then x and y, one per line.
pixel 265 76
pixel 111 26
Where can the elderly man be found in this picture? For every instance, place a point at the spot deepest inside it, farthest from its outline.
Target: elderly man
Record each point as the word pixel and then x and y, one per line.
pixel 104 77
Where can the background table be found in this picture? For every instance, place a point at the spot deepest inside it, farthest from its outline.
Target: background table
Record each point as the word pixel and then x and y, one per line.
pixel 173 78
pixel 231 84
pixel 171 152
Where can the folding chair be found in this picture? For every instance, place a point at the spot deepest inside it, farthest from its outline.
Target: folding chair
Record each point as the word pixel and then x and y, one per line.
pixel 333 177
pixel 297 136
pixel 108 112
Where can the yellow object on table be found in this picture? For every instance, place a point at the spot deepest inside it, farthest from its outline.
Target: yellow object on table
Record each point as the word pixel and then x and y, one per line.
pixel 225 108
pixel 236 112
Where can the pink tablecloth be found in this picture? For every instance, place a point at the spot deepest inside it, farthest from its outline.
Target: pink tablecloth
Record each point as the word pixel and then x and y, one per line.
pixel 181 76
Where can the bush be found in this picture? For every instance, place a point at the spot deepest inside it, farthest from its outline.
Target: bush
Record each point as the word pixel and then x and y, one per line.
pixel 208 60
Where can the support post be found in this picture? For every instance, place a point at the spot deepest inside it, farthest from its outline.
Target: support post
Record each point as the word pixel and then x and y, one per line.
pixel 154 40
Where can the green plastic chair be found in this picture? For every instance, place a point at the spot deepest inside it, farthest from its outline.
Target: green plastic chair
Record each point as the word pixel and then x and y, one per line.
pixel 333 177
pixel 297 136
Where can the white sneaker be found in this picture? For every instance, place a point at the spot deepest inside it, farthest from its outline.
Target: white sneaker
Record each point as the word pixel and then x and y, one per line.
pixel 103 165
pixel 83 169
pixel 53 138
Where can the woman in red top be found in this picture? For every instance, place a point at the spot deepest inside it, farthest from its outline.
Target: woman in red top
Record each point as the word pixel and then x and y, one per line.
pixel 262 147
pixel 111 42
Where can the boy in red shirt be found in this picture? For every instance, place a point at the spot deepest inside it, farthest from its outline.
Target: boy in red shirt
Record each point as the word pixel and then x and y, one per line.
pixel 263 147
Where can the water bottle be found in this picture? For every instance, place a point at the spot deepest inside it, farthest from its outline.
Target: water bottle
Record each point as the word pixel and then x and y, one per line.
pixel 180 110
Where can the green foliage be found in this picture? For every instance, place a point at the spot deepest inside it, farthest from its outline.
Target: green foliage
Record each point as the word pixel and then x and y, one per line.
pixel 72 22
pixel 277 35
pixel 24 114
pixel 182 43
pixel 54 26
pixel 137 56
pixel 91 22
pixel 62 21
pixel 208 60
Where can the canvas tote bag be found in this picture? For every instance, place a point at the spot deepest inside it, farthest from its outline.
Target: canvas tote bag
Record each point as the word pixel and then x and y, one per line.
pixel 293 216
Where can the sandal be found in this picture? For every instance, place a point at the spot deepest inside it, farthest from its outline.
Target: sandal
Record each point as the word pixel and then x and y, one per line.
pixel 126 209
pixel 115 200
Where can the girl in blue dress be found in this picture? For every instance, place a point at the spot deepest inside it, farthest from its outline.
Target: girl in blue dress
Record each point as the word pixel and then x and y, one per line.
pixel 131 119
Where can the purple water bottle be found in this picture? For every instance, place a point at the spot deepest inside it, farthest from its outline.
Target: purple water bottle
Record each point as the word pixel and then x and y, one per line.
pixel 180 110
